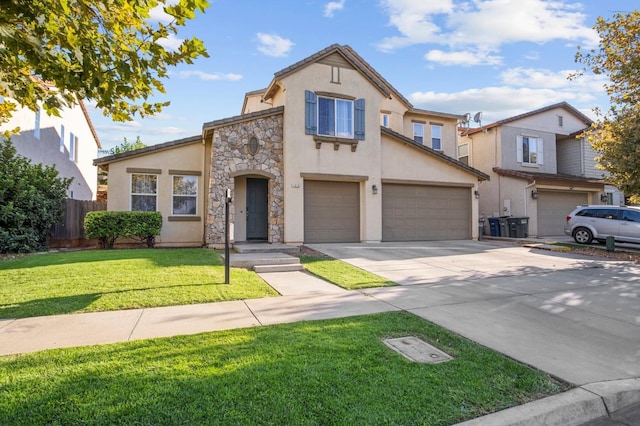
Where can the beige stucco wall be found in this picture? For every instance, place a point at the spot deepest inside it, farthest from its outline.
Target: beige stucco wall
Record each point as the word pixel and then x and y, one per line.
pixel 301 155
pixel 192 157
pixel 449 130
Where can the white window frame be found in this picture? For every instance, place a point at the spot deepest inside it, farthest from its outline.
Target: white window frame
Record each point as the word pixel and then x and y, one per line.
pixel 529 157
pixel 177 197
pixel 338 122
pixel 36 128
pixel 418 132
pixel 436 128
pixel 62 138
pixel 143 194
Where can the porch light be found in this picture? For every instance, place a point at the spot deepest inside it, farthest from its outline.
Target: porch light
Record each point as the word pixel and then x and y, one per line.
pixel 604 198
pixel 374 189
pixel 534 194
pixel 476 193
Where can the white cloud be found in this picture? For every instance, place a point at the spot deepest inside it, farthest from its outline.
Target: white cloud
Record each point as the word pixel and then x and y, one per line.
pixel 522 90
pixel 484 25
pixel 159 15
pixel 273 45
pixel 171 42
pixel 464 58
pixel 333 6
pixel 207 76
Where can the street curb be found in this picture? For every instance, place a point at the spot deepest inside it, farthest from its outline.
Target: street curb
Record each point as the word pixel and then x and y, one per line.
pixel 572 408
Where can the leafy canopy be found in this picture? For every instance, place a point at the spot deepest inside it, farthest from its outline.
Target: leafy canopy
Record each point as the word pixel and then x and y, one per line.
pixel 111 51
pixel 616 135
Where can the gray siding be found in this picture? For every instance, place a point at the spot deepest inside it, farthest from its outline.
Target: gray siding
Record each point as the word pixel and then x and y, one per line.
pixel 509 137
pixel 570 157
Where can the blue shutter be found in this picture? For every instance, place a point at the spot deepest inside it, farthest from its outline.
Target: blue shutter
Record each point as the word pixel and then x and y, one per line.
pixel 310 113
pixel 359 119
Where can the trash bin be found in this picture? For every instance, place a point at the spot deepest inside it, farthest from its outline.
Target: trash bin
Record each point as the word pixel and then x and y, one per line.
pixel 518 227
pixel 504 226
pixel 494 227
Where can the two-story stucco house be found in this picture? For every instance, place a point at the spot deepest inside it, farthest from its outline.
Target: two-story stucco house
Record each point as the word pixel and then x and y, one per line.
pixel 539 166
pixel 67 142
pixel 329 151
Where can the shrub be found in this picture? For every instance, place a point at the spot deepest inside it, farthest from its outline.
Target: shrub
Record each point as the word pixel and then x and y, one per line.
pixel 31 201
pixel 107 226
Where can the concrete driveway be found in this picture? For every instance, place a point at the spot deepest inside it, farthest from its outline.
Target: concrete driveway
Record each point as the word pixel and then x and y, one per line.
pixel 575 317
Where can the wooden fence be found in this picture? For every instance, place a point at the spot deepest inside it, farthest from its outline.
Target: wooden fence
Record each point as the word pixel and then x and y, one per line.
pixel 69 232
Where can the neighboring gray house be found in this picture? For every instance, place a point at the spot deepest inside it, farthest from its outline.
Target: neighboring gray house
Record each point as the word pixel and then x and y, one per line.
pixel 68 142
pixel 539 167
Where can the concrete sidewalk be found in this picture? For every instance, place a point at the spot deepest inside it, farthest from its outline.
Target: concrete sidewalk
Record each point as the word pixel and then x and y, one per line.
pixel 304 297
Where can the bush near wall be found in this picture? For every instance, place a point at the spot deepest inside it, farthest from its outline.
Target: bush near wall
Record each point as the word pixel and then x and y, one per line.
pixel 108 226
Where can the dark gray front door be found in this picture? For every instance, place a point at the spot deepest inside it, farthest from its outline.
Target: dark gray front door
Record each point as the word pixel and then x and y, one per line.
pixel 257 209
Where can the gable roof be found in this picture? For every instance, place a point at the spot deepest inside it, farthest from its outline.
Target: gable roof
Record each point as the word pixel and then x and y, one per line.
pixel 439 155
pixel 586 120
pixel 146 150
pixel 352 58
pixel 211 125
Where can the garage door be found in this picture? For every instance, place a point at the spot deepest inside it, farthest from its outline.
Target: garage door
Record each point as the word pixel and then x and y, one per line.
pixel 331 212
pixel 423 213
pixel 553 208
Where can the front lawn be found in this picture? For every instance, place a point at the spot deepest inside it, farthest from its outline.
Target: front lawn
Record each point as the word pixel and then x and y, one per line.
pixel 333 372
pixel 341 273
pixel 106 280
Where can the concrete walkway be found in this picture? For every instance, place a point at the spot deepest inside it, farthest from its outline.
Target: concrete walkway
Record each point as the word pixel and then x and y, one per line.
pixel 435 281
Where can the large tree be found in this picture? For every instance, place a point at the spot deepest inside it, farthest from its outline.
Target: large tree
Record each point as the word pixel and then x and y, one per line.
pixel 53 52
pixel 616 135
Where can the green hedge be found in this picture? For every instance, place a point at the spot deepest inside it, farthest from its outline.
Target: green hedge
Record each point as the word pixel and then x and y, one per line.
pixel 107 226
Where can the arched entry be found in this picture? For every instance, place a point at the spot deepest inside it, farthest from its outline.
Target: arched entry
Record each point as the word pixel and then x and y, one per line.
pixel 257 209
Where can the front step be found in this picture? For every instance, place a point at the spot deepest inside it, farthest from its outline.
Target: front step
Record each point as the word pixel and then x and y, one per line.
pixel 249 260
pixel 265 248
pixel 260 269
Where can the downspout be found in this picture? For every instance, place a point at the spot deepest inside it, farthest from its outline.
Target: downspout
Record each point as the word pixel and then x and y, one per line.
pixel 205 190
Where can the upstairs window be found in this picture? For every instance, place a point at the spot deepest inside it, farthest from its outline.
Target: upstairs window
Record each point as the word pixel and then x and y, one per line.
pixel 436 136
pixel 529 150
pixel 36 128
pixel 73 147
pixel 384 119
pixel 144 190
pixel 327 116
pixel 185 195
pixel 418 132
pixel 62 138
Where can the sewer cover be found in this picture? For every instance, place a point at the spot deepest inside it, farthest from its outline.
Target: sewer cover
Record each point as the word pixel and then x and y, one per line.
pixel 417 350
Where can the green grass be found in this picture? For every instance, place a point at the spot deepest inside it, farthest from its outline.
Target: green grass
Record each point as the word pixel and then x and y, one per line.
pixel 333 372
pixel 105 280
pixel 342 274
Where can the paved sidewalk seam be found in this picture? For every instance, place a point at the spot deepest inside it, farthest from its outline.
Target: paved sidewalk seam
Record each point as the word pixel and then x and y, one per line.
pixel 253 313
pixel 133 329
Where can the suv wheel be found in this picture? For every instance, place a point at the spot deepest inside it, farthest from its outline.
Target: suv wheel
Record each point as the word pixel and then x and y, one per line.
pixel 582 236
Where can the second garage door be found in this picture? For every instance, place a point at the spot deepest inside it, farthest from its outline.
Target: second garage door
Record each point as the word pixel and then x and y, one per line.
pixel 553 208
pixel 331 212
pixel 424 213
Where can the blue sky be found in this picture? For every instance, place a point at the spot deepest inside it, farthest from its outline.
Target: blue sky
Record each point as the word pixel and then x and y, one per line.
pixel 501 57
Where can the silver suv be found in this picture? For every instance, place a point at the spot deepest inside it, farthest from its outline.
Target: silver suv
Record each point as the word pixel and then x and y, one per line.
pixel 588 223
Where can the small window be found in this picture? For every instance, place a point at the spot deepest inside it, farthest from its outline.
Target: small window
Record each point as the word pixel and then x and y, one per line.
pixel 384 119
pixel 529 150
pixel 436 136
pixel 560 121
pixel 418 132
pixel 62 138
pixel 72 146
pixel 36 129
pixel 144 189
pixel 185 195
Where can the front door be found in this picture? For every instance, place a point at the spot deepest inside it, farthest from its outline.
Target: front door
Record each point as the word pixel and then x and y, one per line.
pixel 257 209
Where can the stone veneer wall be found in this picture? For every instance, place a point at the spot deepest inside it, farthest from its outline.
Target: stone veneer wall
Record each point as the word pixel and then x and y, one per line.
pixel 230 155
